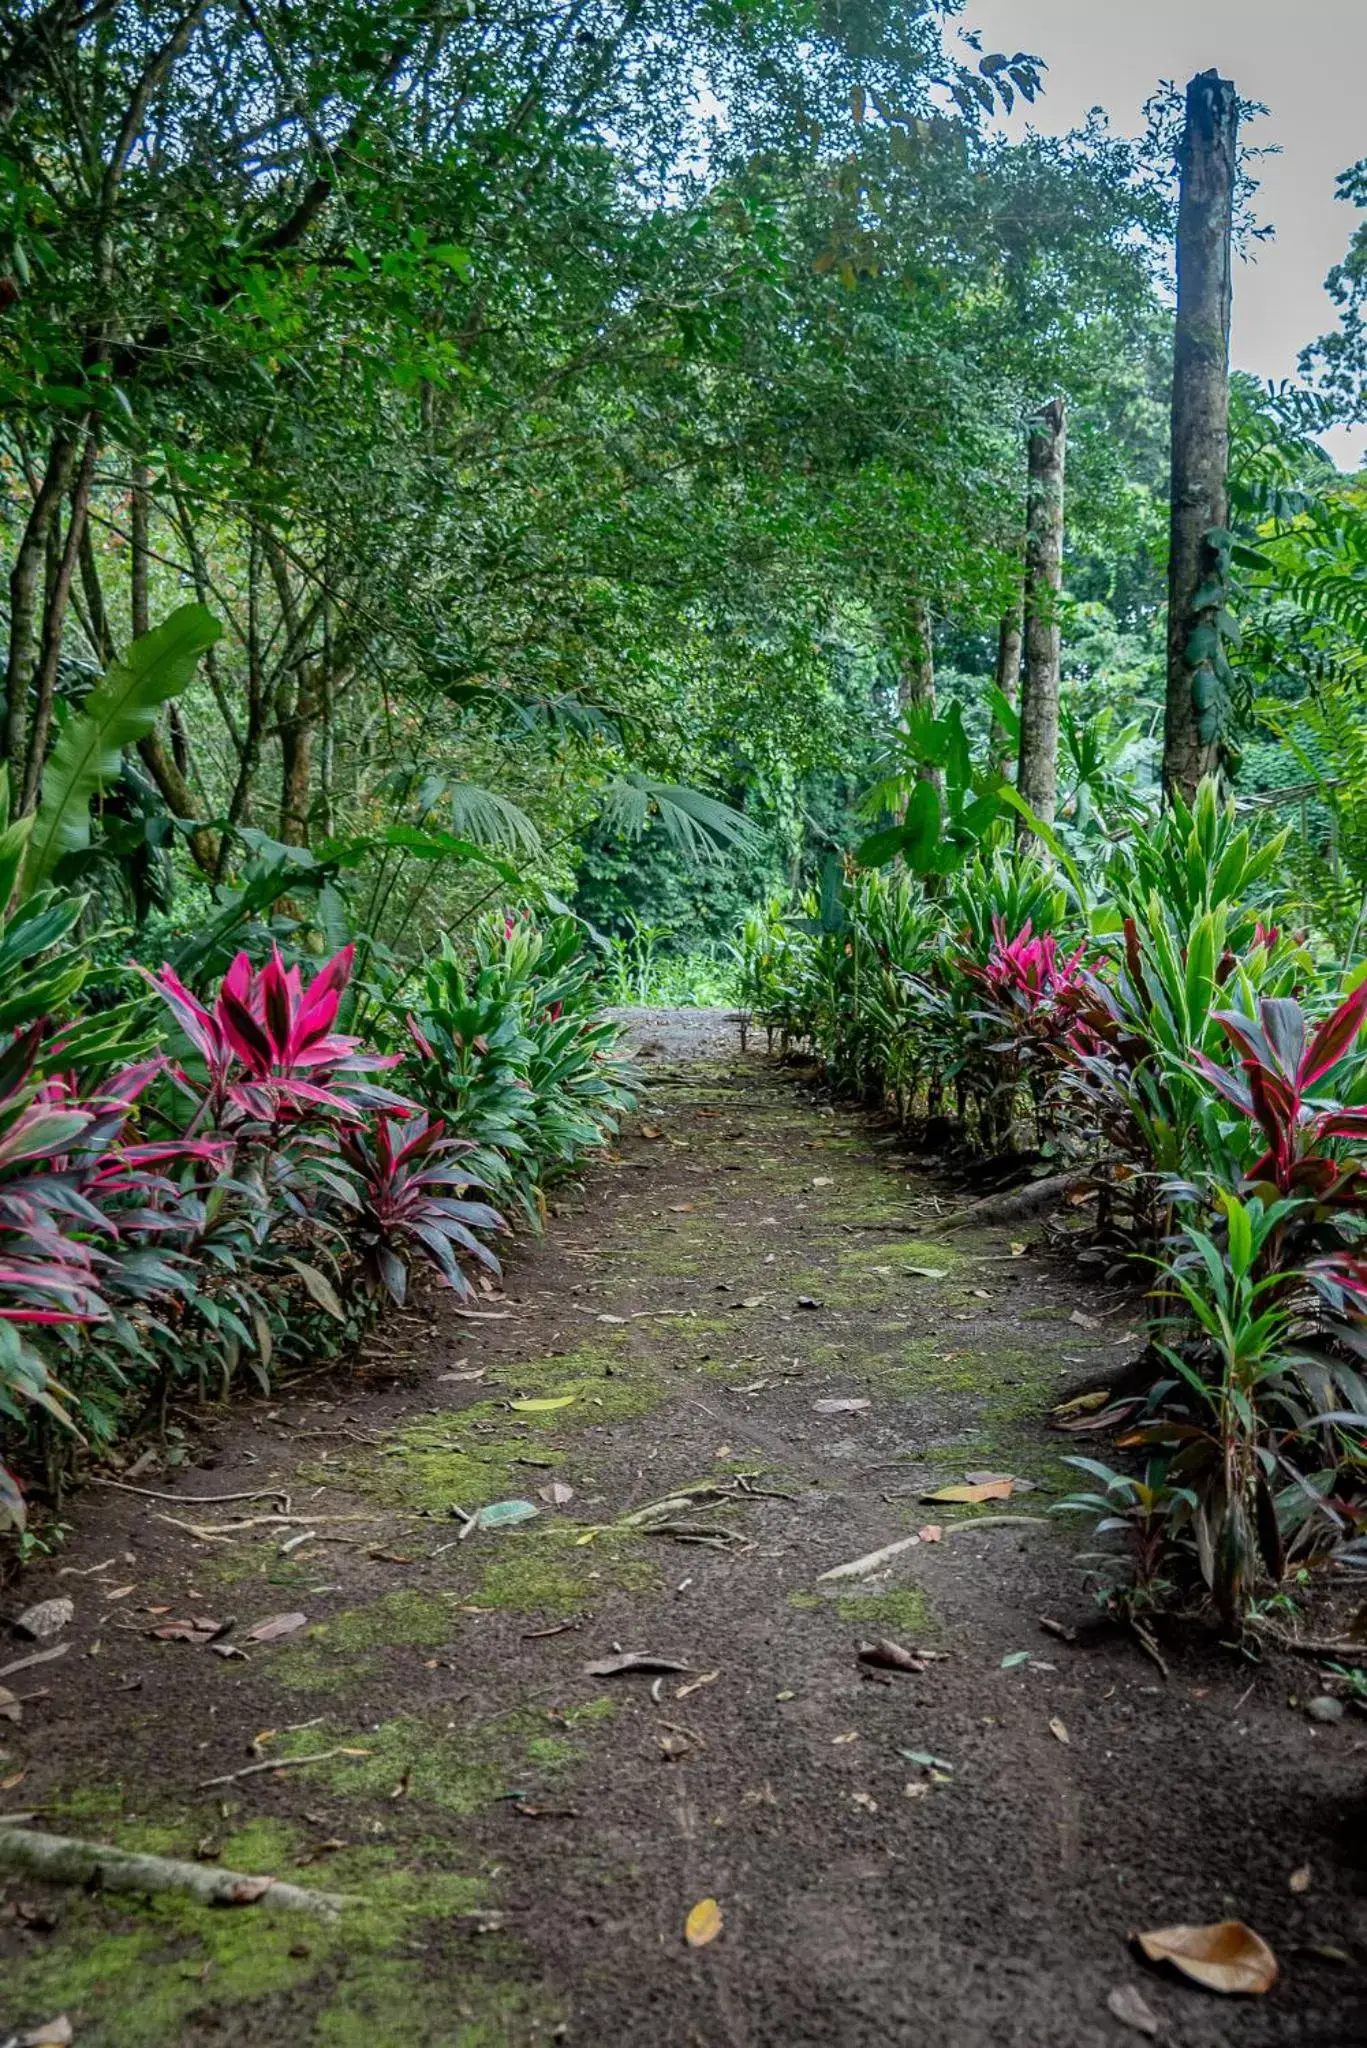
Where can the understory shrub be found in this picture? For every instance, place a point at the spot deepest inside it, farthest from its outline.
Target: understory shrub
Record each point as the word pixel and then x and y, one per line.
pixel 1143 1017
pixel 222 1182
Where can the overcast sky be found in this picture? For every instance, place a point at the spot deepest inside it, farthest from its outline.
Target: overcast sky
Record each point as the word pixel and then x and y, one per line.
pixel 1305 61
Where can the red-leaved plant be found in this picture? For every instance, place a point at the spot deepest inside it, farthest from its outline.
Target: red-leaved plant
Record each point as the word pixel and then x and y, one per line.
pixel 413 1199
pixel 269 1051
pixel 1282 1063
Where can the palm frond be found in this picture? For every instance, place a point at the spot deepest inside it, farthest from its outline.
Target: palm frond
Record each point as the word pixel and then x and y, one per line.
pixel 700 826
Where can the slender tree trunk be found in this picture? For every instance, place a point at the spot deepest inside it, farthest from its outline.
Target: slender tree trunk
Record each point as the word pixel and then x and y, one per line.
pixel 54 619
pixel 1200 431
pixel 26 592
pixel 1037 767
pixel 916 679
pixel 1007 679
pixel 138 551
pixel 296 754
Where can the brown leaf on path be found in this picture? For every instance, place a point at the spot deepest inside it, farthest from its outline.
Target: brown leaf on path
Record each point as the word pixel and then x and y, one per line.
pixel 651 1131
pixel 970 1496
pixel 632 1660
pixel 1226 1957
pixel 10 1709
pixel 853 1405
pixel 931 1533
pixel 1127 2004
pixel 703 1923
pixel 1084 1322
pixel 275 1626
pixel 557 1495
pixel 1299 1880
pixel 889 1656
pixel 15 1778
pixel 1083 1404
pixel 1060 1732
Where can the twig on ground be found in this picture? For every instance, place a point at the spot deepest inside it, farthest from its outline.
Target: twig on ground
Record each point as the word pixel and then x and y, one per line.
pixel 1304 1646
pixel 197 1500
pixel 34 1657
pixel 209 1532
pixel 1145 1640
pixel 859 1567
pixel 279 1763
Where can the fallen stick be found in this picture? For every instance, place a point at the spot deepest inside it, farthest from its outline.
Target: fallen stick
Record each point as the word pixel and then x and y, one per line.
pixel 279 1763
pixel 1345 1653
pixel 859 1567
pixel 1011 1207
pixel 63 1860
pixel 207 1531
pixel 35 1657
pixel 195 1500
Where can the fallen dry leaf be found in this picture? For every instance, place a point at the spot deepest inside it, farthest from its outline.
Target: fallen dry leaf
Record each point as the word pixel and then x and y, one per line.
pixel 864 1799
pixel 10 1709
pixel 557 1495
pixel 851 1736
pixel 971 1496
pixel 1226 1957
pixel 1084 1322
pixel 543 1404
pixel 1126 2003
pixel 696 1684
pixel 889 1656
pixel 275 1626
pixel 703 1923
pixel 854 1405
pixel 15 1778
pixel 632 1660
pixel 1083 1404
pixel 651 1131
pixel 1059 1731
pixel 1299 1880
pixel 47 1618
pixel 931 1533
pixel 52 2034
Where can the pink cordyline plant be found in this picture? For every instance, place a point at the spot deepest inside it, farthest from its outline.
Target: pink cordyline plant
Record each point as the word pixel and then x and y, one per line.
pixel 1028 966
pixel 268 1044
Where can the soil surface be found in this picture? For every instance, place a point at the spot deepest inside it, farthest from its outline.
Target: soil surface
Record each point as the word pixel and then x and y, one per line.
pixel 954 1855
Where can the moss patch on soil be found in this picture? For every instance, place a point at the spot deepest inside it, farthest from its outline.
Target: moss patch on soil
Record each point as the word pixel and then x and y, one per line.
pixel 141 1974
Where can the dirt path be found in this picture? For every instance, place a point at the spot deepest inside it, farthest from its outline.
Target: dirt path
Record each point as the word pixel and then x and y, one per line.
pixel 528 1837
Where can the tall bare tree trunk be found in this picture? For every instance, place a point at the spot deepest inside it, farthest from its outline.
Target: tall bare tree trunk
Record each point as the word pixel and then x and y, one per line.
pixel 54 619
pixel 916 679
pixel 1037 766
pixel 1200 431
pixel 1007 679
pixel 26 596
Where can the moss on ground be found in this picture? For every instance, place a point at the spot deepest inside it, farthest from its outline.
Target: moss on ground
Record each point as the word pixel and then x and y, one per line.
pixel 402 1965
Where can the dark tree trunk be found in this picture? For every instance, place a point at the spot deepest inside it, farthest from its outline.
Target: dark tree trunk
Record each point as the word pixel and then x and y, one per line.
pixel 54 619
pixel 26 597
pixel 1007 679
pixel 1200 430
pixel 138 552
pixel 1037 767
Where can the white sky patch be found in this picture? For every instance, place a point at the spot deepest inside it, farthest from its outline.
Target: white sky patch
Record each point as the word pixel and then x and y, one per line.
pixel 1306 62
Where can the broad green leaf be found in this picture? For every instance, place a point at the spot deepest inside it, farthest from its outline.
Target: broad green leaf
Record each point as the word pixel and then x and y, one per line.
pixel 121 710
